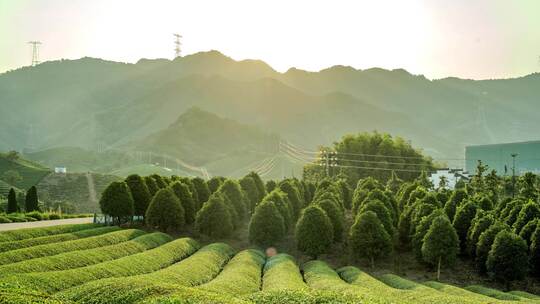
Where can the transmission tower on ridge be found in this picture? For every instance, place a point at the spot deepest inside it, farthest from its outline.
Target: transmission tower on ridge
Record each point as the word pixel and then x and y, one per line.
pixel 177 44
pixel 35 52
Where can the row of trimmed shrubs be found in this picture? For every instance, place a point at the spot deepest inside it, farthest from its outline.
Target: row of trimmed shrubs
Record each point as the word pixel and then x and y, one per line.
pixel 37 216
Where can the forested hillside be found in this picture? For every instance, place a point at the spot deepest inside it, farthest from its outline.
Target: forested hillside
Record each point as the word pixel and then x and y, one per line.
pixel 111 104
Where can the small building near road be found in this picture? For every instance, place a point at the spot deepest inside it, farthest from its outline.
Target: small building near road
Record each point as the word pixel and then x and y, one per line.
pixel 60 170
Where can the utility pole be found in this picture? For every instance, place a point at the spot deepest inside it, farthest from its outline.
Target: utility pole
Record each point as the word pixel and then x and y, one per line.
pixel 35 51
pixel 514 174
pixel 177 44
pixel 329 161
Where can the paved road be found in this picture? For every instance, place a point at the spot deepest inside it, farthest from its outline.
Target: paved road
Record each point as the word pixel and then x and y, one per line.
pixel 13 226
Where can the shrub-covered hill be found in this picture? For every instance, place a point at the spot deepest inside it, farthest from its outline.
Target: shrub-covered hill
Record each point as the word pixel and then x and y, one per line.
pixel 74 188
pixel 29 173
pixel 112 265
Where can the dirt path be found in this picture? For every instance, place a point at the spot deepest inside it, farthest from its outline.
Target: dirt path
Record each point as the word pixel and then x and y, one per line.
pixel 13 226
pixel 91 187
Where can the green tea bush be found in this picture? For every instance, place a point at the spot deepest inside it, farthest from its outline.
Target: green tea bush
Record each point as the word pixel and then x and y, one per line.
pixel 82 258
pixel 282 273
pixel 21 234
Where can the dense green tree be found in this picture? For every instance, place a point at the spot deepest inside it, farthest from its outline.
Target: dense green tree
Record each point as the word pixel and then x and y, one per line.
pixel 481 223
pixel 117 202
pixel 508 207
pixel 281 201
pixel 529 212
pixel 214 183
pixel 404 193
pixel 462 222
pixel 382 213
pixel 151 185
pixel 424 181
pixel 394 183
pixel 187 181
pixel 266 227
pixel 441 245
pixel 443 183
pixel 214 219
pixel 270 186
pixel 485 242
pixel 12 205
pixel 483 201
pixel 314 231
pixel 527 231
pixel 160 181
pixel 346 193
pixel 165 211
pixel 336 217
pixel 420 210
pixel 528 187
pixel 417 239
pixel 183 194
pixel 203 193
pixel 261 189
pixel 368 238
pixel 235 218
pixel 31 200
pixel 508 260
pixel 140 193
pixel 535 252
pixel 513 215
pixel 454 202
pixel 294 197
pixel 248 185
pixel 417 194
pixel 233 191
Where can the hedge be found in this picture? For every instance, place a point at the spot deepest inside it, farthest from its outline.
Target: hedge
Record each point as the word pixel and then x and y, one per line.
pixel 493 293
pixel 282 273
pixel 109 236
pixel 242 275
pixel 197 269
pixel 82 258
pixel 21 234
pixel 7 246
pixel 140 263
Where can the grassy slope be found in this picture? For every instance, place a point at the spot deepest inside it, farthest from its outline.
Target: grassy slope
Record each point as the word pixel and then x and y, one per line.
pixel 31 172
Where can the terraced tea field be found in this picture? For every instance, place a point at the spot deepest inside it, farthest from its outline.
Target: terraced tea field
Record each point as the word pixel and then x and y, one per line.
pixel 93 264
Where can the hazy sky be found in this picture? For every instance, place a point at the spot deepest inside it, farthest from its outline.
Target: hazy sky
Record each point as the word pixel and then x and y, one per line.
pixel 437 38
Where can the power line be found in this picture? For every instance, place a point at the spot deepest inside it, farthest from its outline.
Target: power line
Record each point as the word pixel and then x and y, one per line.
pixel 383 169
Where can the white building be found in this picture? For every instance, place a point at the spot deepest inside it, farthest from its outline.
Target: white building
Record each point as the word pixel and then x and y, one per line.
pixel 452 177
pixel 60 170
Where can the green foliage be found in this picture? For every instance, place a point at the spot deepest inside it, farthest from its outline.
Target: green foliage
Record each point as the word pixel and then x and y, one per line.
pixel 462 222
pixel 13 245
pixel 481 223
pixel 535 252
pixel 314 231
pixel 528 230
pixel 103 239
pixel 151 185
pixel 493 293
pixel 241 276
pixel 140 193
pixel 146 262
pixel 117 201
pixel 261 189
pixel 294 197
pixel 266 227
pixel 203 192
pixel 233 191
pixel 336 217
pixel 214 219
pixel 441 244
pixel 454 202
pixel 507 260
pixel 394 183
pixel 382 214
pixel 248 185
pixel 28 233
pixel 528 212
pixel 87 257
pixel 421 230
pixel 283 205
pixel 160 181
pixel 270 185
pixel 483 201
pixel 368 237
pixel 282 273
pixel 12 206
pixel 214 183
pixel 346 193
pixel 182 192
pixel 485 242
pixel 31 200
pixel 165 211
